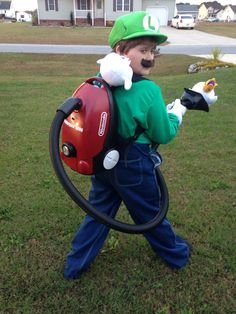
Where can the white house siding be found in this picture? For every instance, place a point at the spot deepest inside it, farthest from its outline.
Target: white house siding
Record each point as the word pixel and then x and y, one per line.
pixel 203 12
pixel 106 16
pixel 138 5
pixel 23 17
pixel 10 12
pixel 112 16
pixel 164 7
pixel 54 17
pixel 228 14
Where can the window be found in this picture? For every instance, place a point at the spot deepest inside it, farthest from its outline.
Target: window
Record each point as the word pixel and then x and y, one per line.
pixel 51 5
pixel 99 4
pixel 123 5
pixel 83 4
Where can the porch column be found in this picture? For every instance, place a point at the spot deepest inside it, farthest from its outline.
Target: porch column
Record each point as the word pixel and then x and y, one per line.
pixel 74 13
pixel 92 9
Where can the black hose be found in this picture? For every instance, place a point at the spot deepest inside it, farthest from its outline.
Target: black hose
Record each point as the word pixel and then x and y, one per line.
pixel 78 198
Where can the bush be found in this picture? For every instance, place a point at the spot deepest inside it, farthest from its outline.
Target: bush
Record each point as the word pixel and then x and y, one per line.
pixel 35 20
pixel 89 19
pixel 217 54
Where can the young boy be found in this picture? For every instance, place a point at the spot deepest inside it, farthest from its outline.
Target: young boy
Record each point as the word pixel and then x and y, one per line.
pixel 133 180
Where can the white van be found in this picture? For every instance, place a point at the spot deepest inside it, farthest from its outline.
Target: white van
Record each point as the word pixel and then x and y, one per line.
pixel 183 21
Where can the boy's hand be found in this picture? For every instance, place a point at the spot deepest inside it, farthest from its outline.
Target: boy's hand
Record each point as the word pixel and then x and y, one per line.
pixel 177 109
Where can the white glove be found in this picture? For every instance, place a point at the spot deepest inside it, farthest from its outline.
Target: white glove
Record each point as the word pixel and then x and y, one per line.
pixel 177 109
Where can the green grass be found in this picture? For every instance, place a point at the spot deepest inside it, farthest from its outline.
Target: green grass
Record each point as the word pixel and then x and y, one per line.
pixel 26 33
pixel 221 29
pixel 38 220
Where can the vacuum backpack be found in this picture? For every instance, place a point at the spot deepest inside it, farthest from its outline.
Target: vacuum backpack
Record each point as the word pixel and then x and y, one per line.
pixel 88 133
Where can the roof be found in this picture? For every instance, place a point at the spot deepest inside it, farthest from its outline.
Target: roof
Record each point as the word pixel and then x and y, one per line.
pixel 215 5
pixel 5 5
pixel 233 7
pixel 181 7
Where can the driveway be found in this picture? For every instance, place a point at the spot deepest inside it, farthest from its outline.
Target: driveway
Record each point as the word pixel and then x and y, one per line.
pixel 196 43
pixel 194 37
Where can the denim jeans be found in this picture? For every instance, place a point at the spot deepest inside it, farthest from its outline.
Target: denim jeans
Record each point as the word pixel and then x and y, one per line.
pixel 132 181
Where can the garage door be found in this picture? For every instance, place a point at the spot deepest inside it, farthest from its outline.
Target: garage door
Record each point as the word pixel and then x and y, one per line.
pixel 160 12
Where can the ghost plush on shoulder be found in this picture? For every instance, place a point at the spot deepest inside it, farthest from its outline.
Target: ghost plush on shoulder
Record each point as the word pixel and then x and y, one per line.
pixel 115 70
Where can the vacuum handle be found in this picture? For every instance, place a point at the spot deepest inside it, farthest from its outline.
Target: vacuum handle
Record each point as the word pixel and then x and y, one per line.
pixel 70 105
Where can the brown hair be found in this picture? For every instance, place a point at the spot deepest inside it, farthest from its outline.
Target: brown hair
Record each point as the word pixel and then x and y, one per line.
pixel 126 45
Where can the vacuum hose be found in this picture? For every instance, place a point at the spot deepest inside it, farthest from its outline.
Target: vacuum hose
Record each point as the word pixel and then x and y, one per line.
pixel 62 113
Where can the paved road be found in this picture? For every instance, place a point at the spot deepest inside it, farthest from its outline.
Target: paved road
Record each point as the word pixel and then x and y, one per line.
pixel 193 49
pixel 190 42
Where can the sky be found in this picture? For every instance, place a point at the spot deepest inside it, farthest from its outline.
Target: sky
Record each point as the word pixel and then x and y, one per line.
pixel 30 5
pixel 24 5
pixel 223 2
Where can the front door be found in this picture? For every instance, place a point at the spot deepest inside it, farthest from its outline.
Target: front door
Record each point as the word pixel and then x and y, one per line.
pixel 98 9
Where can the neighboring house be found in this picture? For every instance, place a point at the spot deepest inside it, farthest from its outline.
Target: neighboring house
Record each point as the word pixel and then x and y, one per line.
pixel 99 12
pixel 7 9
pixel 209 9
pixel 186 8
pixel 228 13
pixel 23 17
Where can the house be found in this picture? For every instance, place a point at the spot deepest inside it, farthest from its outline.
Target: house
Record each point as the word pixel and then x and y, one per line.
pixel 186 8
pixel 23 17
pixel 99 12
pixel 228 14
pixel 209 9
pixel 7 10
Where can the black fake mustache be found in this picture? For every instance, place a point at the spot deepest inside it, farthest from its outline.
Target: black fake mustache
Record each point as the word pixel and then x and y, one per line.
pixel 147 63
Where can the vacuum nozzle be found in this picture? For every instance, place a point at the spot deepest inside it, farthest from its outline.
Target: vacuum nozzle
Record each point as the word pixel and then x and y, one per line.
pixel 193 100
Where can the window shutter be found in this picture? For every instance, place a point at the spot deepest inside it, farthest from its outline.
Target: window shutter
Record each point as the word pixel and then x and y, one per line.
pixel 114 5
pixel 88 4
pixel 131 5
pixel 78 4
pixel 46 5
pixel 56 5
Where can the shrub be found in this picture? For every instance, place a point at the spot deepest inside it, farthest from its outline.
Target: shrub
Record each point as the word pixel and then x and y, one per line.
pixel 217 54
pixel 35 18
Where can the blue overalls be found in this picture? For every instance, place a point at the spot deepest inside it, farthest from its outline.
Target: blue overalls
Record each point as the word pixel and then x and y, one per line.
pixel 132 181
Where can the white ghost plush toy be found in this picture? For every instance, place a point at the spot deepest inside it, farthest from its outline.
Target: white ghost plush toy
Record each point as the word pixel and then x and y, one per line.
pixel 115 70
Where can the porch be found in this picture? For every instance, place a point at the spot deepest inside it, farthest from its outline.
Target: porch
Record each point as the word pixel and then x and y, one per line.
pixel 89 12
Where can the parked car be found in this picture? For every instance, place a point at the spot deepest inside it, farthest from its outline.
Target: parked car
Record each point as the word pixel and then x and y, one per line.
pixel 212 19
pixel 183 21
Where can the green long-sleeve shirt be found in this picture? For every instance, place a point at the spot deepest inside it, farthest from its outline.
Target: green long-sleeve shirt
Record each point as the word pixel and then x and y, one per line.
pixel 143 104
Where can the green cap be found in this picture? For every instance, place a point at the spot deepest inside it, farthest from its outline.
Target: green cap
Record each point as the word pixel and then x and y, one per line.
pixel 134 25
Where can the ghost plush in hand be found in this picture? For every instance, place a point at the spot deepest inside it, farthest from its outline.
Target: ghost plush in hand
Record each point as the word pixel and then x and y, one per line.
pixel 207 89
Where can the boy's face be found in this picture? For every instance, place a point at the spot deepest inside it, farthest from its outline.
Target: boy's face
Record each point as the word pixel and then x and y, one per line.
pixel 142 57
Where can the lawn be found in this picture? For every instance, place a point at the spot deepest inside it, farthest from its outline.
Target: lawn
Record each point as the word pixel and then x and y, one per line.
pixel 218 28
pixel 38 220
pixel 26 33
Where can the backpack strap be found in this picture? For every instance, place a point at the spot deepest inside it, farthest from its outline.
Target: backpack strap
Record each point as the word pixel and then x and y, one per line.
pixel 138 131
